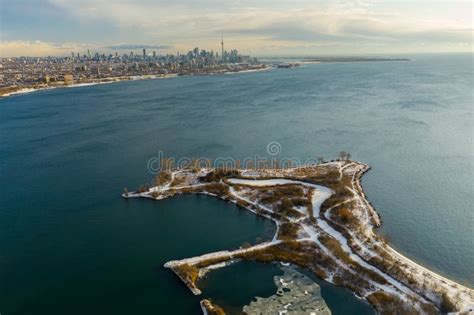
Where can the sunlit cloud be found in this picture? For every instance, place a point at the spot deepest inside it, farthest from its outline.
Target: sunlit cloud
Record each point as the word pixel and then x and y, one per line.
pixel 365 26
pixel 137 46
pixel 39 48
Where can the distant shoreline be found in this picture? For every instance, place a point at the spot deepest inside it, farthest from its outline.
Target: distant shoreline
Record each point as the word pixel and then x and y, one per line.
pixel 316 60
pixel 9 91
pixel 15 90
pixel 353 59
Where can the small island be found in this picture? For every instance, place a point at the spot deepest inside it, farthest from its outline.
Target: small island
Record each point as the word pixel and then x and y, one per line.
pixel 325 224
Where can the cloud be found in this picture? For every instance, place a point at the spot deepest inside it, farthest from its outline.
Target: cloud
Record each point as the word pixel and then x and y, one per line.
pixel 137 46
pixel 39 48
pixel 256 25
pixel 343 29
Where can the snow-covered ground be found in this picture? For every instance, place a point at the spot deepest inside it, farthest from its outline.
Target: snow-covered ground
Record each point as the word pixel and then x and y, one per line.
pixel 364 237
pixel 320 194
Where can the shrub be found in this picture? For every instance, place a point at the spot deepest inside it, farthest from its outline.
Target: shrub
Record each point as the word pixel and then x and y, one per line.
pixel 301 202
pixel 447 305
pixel 218 174
pixel 188 272
pixel 212 309
pixel 334 246
pixel 162 178
pixel 218 189
pixel 143 189
pixel 288 231
pixel 178 181
pixel 285 208
pixel 345 215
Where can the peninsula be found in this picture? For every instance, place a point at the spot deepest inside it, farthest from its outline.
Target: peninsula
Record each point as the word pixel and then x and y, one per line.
pixel 325 224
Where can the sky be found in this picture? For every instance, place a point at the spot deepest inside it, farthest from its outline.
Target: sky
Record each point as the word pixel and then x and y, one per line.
pixel 256 27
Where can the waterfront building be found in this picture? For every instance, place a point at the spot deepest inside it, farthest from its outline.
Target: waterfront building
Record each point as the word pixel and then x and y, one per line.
pixel 68 79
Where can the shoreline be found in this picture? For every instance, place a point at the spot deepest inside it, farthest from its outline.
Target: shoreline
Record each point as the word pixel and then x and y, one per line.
pixel 110 80
pixel 410 282
pixel 439 274
pixel 267 68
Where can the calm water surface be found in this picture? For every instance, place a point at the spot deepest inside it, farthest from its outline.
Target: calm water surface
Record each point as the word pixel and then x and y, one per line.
pixel 69 243
pixel 222 284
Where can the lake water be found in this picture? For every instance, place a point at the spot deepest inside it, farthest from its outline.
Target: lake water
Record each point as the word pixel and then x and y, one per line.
pixel 222 284
pixel 69 243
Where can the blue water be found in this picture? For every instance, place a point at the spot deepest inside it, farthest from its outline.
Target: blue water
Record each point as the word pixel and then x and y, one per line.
pixel 66 154
pixel 222 284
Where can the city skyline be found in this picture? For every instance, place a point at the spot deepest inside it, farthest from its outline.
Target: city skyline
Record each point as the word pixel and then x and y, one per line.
pixel 259 28
pixel 19 73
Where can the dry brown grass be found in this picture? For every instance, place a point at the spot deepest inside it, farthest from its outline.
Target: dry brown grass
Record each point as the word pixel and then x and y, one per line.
pixel 288 231
pixel 298 253
pixel 155 194
pixel 162 178
pixel 218 174
pixel 285 208
pixel 178 181
pixel 447 305
pixel 305 254
pixel 219 189
pixel 212 308
pixel 328 178
pixel 273 194
pixel 333 245
pixel 143 189
pixel 188 273
pixel 389 304
pixel 212 261
pixel 344 215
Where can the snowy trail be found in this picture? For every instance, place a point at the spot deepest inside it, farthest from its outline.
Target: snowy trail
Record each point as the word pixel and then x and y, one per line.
pixel 359 244
pixel 320 194
pixel 220 254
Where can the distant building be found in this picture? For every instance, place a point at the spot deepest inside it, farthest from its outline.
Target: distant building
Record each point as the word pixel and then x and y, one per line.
pixel 95 70
pixel 90 66
pixel 81 68
pixel 68 79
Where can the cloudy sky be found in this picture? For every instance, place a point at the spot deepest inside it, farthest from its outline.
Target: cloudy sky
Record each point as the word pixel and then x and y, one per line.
pixel 258 27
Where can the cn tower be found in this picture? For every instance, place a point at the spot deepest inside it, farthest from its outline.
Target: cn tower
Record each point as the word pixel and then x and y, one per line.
pixel 222 51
